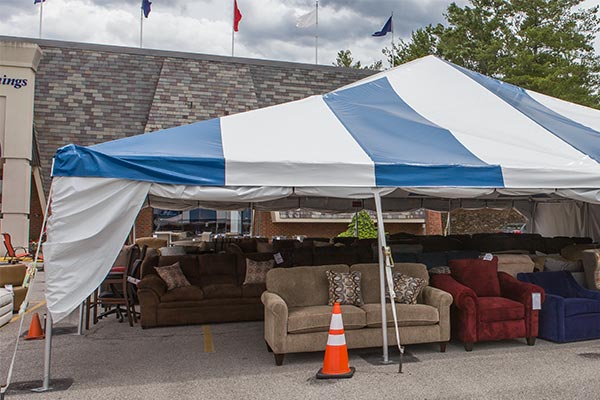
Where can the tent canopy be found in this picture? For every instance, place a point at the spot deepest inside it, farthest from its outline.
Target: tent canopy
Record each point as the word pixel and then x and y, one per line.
pixel 424 129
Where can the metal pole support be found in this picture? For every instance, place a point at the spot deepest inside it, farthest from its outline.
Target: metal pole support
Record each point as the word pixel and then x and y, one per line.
pixel 47 353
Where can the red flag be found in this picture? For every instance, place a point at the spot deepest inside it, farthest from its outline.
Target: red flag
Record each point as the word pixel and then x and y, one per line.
pixel 237 16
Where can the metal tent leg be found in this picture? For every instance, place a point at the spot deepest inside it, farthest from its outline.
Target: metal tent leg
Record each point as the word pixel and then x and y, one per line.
pixel 47 353
pixel 382 244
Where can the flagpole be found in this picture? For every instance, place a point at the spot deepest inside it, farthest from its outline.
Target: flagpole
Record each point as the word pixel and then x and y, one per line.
pixel 141 25
pixel 392 58
pixel 232 30
pixel 317 32
pixel 41 13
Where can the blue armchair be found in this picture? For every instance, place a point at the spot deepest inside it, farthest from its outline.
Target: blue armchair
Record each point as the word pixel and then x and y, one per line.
pixel 570 312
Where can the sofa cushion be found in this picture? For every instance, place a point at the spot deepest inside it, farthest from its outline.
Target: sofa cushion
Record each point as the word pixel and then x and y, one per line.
pixel 344 288
pixel 493 309
pixel 555 264
pixel 219 280
pixel 514 263
pixel 223 290
pixel 318 318
pixel 187 293
pixel 302 286
pixel 188 264
pixel 408 314
pixel 407 288
pixel 217 264
pixel 256 271
pixel 576 306
pixel 253 290
pixel 173 276
pixel 479 275
pixel 401 257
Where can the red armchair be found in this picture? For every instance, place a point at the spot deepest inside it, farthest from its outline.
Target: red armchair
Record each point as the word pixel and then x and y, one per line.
pixel 488 305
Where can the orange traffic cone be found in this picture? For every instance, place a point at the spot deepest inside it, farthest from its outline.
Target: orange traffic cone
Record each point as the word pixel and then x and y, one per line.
pixel 335 365
pixel 35 329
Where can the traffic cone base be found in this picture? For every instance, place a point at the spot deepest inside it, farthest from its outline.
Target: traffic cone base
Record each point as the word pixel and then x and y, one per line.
pixel 35 329
pixel 349 374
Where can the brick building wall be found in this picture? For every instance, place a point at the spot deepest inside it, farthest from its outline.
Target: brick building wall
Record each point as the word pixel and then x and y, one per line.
pixel 264 226
pixel 36 214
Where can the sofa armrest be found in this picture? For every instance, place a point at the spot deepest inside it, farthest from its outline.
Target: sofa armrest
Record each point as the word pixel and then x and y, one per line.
pixel 150 290
pixel 522 292
pixel 276 321
pixel 588 294
pixel 154 284
pixel 519 291
pixel 441 300
pixel 463 296
pixel 436 297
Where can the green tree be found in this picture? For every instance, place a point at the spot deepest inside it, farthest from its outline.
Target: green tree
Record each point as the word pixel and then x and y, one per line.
pixel 345 59
pixel 542 45
pixel 366 226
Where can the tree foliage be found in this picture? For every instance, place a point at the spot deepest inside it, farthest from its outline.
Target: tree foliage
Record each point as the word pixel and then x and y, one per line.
pixel 542 45
pixel 366 227
pixel 345 59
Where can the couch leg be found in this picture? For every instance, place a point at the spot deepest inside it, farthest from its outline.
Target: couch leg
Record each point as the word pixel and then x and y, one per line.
pixel 443 347
pixel 469 346
pixel 269 349
pixel 531 340
pixel 278 358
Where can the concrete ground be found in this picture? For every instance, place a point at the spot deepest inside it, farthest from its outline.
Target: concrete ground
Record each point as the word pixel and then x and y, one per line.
pixel 230 361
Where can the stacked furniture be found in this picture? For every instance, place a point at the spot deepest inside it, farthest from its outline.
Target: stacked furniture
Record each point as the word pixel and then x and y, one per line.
pixel 297 314
pixel 6 306
pixel 570 312
pixel 14 275
pixel 488 305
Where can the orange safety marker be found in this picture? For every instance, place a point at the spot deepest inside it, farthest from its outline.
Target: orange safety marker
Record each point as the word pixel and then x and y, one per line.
pixel 335 365
pixel 35 329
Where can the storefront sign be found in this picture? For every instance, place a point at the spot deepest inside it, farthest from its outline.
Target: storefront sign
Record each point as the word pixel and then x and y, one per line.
pixel 14 82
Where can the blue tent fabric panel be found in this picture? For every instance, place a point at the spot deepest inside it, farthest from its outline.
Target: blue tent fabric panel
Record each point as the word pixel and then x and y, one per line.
pixel 581 137
pixel 188 155
pixel 408 150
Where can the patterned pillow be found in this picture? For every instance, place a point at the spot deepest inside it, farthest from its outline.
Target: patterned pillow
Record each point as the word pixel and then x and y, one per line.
pixel 344 288
pixel 439 270
pixel 407 288
pixel 173 276
pixel 256 271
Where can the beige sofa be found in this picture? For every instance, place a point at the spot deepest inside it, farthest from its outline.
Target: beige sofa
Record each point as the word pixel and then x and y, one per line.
pixel 297 316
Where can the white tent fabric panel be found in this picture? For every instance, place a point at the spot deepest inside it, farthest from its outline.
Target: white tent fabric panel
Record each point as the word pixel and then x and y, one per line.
pixel 581 114
pixel 90 220
pixel 560 219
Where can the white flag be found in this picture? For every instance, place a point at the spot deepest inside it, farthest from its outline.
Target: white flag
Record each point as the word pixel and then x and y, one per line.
pixel 307 20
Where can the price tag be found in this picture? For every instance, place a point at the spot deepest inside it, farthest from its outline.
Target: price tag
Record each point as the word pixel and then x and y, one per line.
pixel 488 257
pixel 536 301
pixel 278 258
pixel 133 280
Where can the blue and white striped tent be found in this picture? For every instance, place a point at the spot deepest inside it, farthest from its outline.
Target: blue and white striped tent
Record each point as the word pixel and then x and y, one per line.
pixel 425 129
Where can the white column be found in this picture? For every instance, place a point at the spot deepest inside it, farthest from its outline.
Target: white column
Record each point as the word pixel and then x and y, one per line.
pixel 18 64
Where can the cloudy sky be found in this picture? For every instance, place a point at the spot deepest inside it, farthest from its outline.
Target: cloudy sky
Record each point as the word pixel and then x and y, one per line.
pixel 268 28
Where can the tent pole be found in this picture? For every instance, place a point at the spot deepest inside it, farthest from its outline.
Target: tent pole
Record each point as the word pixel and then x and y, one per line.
pixel 47 354
pixel 382 245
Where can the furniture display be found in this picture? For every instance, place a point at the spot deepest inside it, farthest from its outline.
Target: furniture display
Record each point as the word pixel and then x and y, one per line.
pixel 297 314
pixel 14 275
pixel 488 305
pixel 570 312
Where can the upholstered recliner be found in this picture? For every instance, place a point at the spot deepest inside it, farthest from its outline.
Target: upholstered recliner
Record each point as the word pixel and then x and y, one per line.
pixel 570 312
pixel 488 305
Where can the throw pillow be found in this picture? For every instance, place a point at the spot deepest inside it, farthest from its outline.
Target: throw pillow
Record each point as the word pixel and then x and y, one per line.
pixel 256 271
pixel 264 247
pixel 554 264
pixel 173 276
pixel 407 288
pixel 439 270
pixel 480 275
pixel 344 288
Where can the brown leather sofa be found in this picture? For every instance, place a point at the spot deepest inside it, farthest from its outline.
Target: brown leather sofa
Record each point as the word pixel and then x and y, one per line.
pixel 216 294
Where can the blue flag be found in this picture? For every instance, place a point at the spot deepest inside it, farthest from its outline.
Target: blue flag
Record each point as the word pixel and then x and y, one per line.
pixel 146 7
pixel 37 1
pixel 386 28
